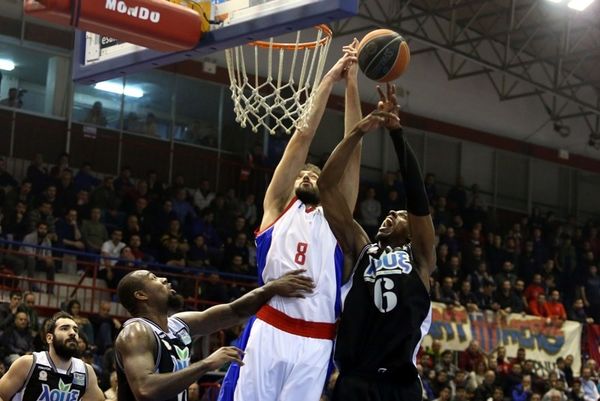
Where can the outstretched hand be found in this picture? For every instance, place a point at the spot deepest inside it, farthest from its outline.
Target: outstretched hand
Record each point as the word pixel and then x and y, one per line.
pixel 377 119
pixel 352 67
pixel 341 68
pixel 293 284
pixel 389 103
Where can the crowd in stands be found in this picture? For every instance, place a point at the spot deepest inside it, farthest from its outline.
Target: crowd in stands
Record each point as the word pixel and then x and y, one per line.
pixel 535 264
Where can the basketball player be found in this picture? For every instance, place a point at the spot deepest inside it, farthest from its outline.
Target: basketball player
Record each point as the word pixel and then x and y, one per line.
pixel 289 345
pixel 54 374
pixel 387 309
pixel 153 350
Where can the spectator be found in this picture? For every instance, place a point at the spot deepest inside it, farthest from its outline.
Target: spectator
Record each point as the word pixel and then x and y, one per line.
pixel 507 300
pixel 527 262
pixel 42 214
pixel 471 357
pixel 70 237
pixel 392 201
pixel 110 251
pixel 467 298
pixel 22 194
pixel 171 253
pixel 539 307
pixel 104 197
pixel 135 243
pixel 105 326
pixel 85 178
pixel 96 115
pixel 522 391
pixel 507 273
pixel 123 184
pixel 10 309
pixel 182 208
pixel 370 211
pixel 476 376
pixel 249 210
pixel 93 232
pixel 457 196
pixel 447 293
pixel 174 232
pixel 17 339
pixel 579 314
pixel 446 364
pixel 14 99
pixel 85 327
pixel 451 241
pixel 29 307
pixel 535 288
pixel 588 385
pixel 486 298
pixel 444 394
pixel 203 196
pixel 36 257
pixel 486 389
pixel 556 310
pixel 480 277
pixel 132 227
pixel 66 192
pixel 590 293
pixel 213 290
pixel 37 174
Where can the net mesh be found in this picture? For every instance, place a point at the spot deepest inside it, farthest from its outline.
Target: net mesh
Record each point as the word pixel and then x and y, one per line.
pixel 293 72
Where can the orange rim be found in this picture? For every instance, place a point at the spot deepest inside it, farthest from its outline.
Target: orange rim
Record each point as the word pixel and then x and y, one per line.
pixel 300 46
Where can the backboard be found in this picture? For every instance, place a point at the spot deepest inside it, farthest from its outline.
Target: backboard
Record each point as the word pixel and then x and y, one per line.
pixel 99 58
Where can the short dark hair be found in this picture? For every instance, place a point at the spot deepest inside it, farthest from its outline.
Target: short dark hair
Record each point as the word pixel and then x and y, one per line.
pixel 71 304
pixel 126 291
pixel 311 167
pixel 51 323
pixel 15 293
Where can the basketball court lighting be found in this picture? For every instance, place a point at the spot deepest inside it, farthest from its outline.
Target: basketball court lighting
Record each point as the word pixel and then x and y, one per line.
pixel 6 64
pixel 113 87
pixel 579 5
pixel 555 1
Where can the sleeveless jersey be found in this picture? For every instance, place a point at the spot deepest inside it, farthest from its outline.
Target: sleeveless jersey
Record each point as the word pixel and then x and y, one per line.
pixel 387 312
pixel 173 354
pixel 45 382
pixel 302 239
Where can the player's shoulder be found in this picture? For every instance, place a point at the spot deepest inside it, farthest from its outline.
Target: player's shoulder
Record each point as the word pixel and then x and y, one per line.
pixel 135 332
pixel 22 365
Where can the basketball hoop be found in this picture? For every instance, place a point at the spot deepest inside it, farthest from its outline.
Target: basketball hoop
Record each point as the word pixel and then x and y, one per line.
pixel 283 99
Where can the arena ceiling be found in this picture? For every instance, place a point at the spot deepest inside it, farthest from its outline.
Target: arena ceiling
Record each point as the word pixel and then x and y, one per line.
pixel 526 48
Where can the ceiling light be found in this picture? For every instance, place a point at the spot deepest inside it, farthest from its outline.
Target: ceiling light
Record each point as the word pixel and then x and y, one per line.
pixel 7 65
pixel 555 1
pixel 579 5
pixel 113 87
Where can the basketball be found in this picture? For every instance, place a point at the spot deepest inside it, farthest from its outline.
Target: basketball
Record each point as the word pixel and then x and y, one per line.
pixel 383 55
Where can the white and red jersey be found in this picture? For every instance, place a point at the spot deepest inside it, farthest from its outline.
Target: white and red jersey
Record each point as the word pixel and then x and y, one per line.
pixel 302 239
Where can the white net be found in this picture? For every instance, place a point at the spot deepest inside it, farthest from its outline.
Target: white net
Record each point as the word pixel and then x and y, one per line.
pixel 293 71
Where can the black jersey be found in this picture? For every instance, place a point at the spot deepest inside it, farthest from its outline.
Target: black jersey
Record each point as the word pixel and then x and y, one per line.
pixel 45 382
pixel 173 354
pixel 387 312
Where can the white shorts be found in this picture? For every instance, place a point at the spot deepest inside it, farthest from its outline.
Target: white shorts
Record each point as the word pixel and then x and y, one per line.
pixel 279 366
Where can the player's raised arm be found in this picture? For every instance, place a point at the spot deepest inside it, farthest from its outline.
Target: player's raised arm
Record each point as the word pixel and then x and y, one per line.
pixel 279 191
pixel 422 235
pixel 352 115
pixel 292 284
pixel 349 234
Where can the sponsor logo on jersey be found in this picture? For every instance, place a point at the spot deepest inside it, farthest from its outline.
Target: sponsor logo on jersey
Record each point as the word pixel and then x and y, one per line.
pixel 43 376
pixel 78 379
pixel 141 13
pixel 391 262
pixel 62 393
pixel 183 358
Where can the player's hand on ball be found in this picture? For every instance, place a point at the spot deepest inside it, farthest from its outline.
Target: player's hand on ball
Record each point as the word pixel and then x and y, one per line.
pixel 340 68
pixel 293 284
pixel 222 356
pixel 388 102
pixel 352 68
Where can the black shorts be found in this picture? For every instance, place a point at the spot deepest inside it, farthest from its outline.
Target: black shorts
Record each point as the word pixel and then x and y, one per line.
pixel 357 388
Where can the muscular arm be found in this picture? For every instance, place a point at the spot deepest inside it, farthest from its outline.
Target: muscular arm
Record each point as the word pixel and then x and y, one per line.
pixel 419 220
pixel 349 234
pixel 136 346
pixel 92 391
pixel 352 115
pixel 14 379
pixel 279 191
pixel 220 317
